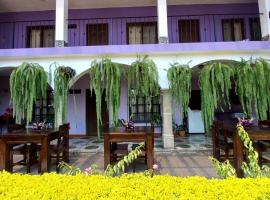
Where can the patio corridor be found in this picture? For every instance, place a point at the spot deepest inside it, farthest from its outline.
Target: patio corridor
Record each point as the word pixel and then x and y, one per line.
pixel 189 158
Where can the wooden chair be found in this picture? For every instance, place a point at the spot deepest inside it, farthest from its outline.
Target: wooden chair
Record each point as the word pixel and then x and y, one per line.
pixel 222 142
pixel 263 146
pixel 58 151
pixel 26 150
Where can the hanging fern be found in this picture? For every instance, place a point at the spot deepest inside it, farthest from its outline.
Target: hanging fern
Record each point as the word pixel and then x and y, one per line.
pixel 245 85
pixel 143 80
pixel 62 76
pixel 28 83
pixel 106 76
pixel 262 77
pixel 253 86
pixel 215 84
pixel 179 77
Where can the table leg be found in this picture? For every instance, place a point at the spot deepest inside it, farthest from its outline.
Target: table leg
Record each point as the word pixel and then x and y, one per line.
pixel 107 151
pixel 238 154
pixel 150 151
pixel 66 149
pixel 5 156
pixel 44 155
pixel 216 151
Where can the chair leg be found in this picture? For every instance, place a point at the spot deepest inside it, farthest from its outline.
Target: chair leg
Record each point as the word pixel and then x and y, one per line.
pixel 57 162
pixel 28 160
pixel 11 162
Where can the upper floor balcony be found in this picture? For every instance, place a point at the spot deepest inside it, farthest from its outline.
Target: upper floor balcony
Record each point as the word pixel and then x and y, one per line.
pixel 194 23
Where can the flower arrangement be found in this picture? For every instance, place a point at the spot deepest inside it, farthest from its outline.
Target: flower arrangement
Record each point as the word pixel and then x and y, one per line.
pixel 39 125
pixel 7 116
pixel 245 122
pixel 129 125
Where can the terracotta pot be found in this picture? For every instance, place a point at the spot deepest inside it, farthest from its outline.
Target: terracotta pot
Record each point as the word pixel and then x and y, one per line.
pixel 182 133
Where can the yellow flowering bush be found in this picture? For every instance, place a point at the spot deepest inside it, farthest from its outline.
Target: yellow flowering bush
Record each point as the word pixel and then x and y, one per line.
pixel 133 186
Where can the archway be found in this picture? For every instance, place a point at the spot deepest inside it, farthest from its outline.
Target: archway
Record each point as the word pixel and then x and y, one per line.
pixel 194 121
pixel 83 117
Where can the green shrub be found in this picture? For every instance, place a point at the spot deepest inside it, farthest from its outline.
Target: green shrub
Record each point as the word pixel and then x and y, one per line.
pixel 135 186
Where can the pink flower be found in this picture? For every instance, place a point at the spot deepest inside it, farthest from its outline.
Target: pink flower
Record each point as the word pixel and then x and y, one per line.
pixel 155 167
pixel 88 171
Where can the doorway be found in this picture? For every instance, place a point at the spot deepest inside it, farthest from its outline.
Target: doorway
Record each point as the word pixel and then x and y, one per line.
pixel 91 115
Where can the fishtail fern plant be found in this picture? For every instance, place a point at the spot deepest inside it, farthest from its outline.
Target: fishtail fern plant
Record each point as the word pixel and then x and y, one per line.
pixel 179 77
pixel 215 83
pixel 62 77
pixel 28 83
pixel 143 80
pixel 105 76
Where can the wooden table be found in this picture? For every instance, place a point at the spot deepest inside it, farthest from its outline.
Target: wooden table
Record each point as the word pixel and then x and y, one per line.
pixel 255 133
pixel 116 135
pixel 29 136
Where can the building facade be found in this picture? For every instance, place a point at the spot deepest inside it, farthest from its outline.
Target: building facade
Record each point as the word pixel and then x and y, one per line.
pixel 74 33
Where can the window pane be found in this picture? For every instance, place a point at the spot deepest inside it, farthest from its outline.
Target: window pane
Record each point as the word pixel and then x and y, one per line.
pixel 189 30
pixel 135 34
pixel 227 32
pixel 255 29
pixel 97 34
pixel 238 32
pixel 35 38
pixel 149 34
pixel 48 37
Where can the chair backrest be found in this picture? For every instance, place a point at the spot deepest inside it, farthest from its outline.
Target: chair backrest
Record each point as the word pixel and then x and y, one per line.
pixel 264 123
pixel 63 132
pixel 15 128
pixel 219 131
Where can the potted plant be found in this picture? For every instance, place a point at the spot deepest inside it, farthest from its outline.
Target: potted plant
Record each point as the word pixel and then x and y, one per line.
pixel 156 122
pixel 179 129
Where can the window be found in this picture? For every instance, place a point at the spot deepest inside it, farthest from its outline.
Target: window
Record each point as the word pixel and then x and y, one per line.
pixel 43 109
pixel 233 29
pixel 41 36
pixel 142 33
pixel 255 29
pixel 189 30
pixel 139 112
pixel 97 34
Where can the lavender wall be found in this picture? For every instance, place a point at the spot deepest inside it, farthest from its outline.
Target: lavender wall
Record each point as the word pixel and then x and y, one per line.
pixel 117 19
pixel 78 124
pixel 4 94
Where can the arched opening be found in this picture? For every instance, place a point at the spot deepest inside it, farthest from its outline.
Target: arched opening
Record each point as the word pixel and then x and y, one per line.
pixel 42 109
pixel 194 120
pixel 5 107
pixel 82 115
pixel 85 121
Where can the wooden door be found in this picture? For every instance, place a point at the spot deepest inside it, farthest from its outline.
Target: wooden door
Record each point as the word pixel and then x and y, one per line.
pixel 91 115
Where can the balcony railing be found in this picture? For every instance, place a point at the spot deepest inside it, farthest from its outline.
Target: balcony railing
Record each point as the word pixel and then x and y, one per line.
pixel 132 30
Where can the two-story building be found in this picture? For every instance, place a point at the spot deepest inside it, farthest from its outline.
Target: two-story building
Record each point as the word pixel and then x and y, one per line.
pixel 76 32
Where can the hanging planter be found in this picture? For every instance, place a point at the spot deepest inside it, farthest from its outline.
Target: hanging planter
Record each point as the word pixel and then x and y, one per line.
pixel 62 76
pixel 143 80
pixel 179 78
pixel 262 74
pixel 106 76
pixel 28 83
pixel 253 86
pixel 215 84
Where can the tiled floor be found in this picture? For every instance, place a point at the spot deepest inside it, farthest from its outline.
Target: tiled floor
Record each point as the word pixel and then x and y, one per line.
pixel 186 144
pixel 189 158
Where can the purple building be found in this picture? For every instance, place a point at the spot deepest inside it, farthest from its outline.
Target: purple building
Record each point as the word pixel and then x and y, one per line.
pixel 77 32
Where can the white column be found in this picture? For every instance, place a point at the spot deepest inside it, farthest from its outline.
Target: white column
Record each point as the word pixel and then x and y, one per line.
pixel 167 130
pixel 61 23
pixel 264 9
pixel 162 21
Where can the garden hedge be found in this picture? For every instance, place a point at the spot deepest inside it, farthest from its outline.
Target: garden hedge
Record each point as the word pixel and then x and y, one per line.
pixel 136 186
